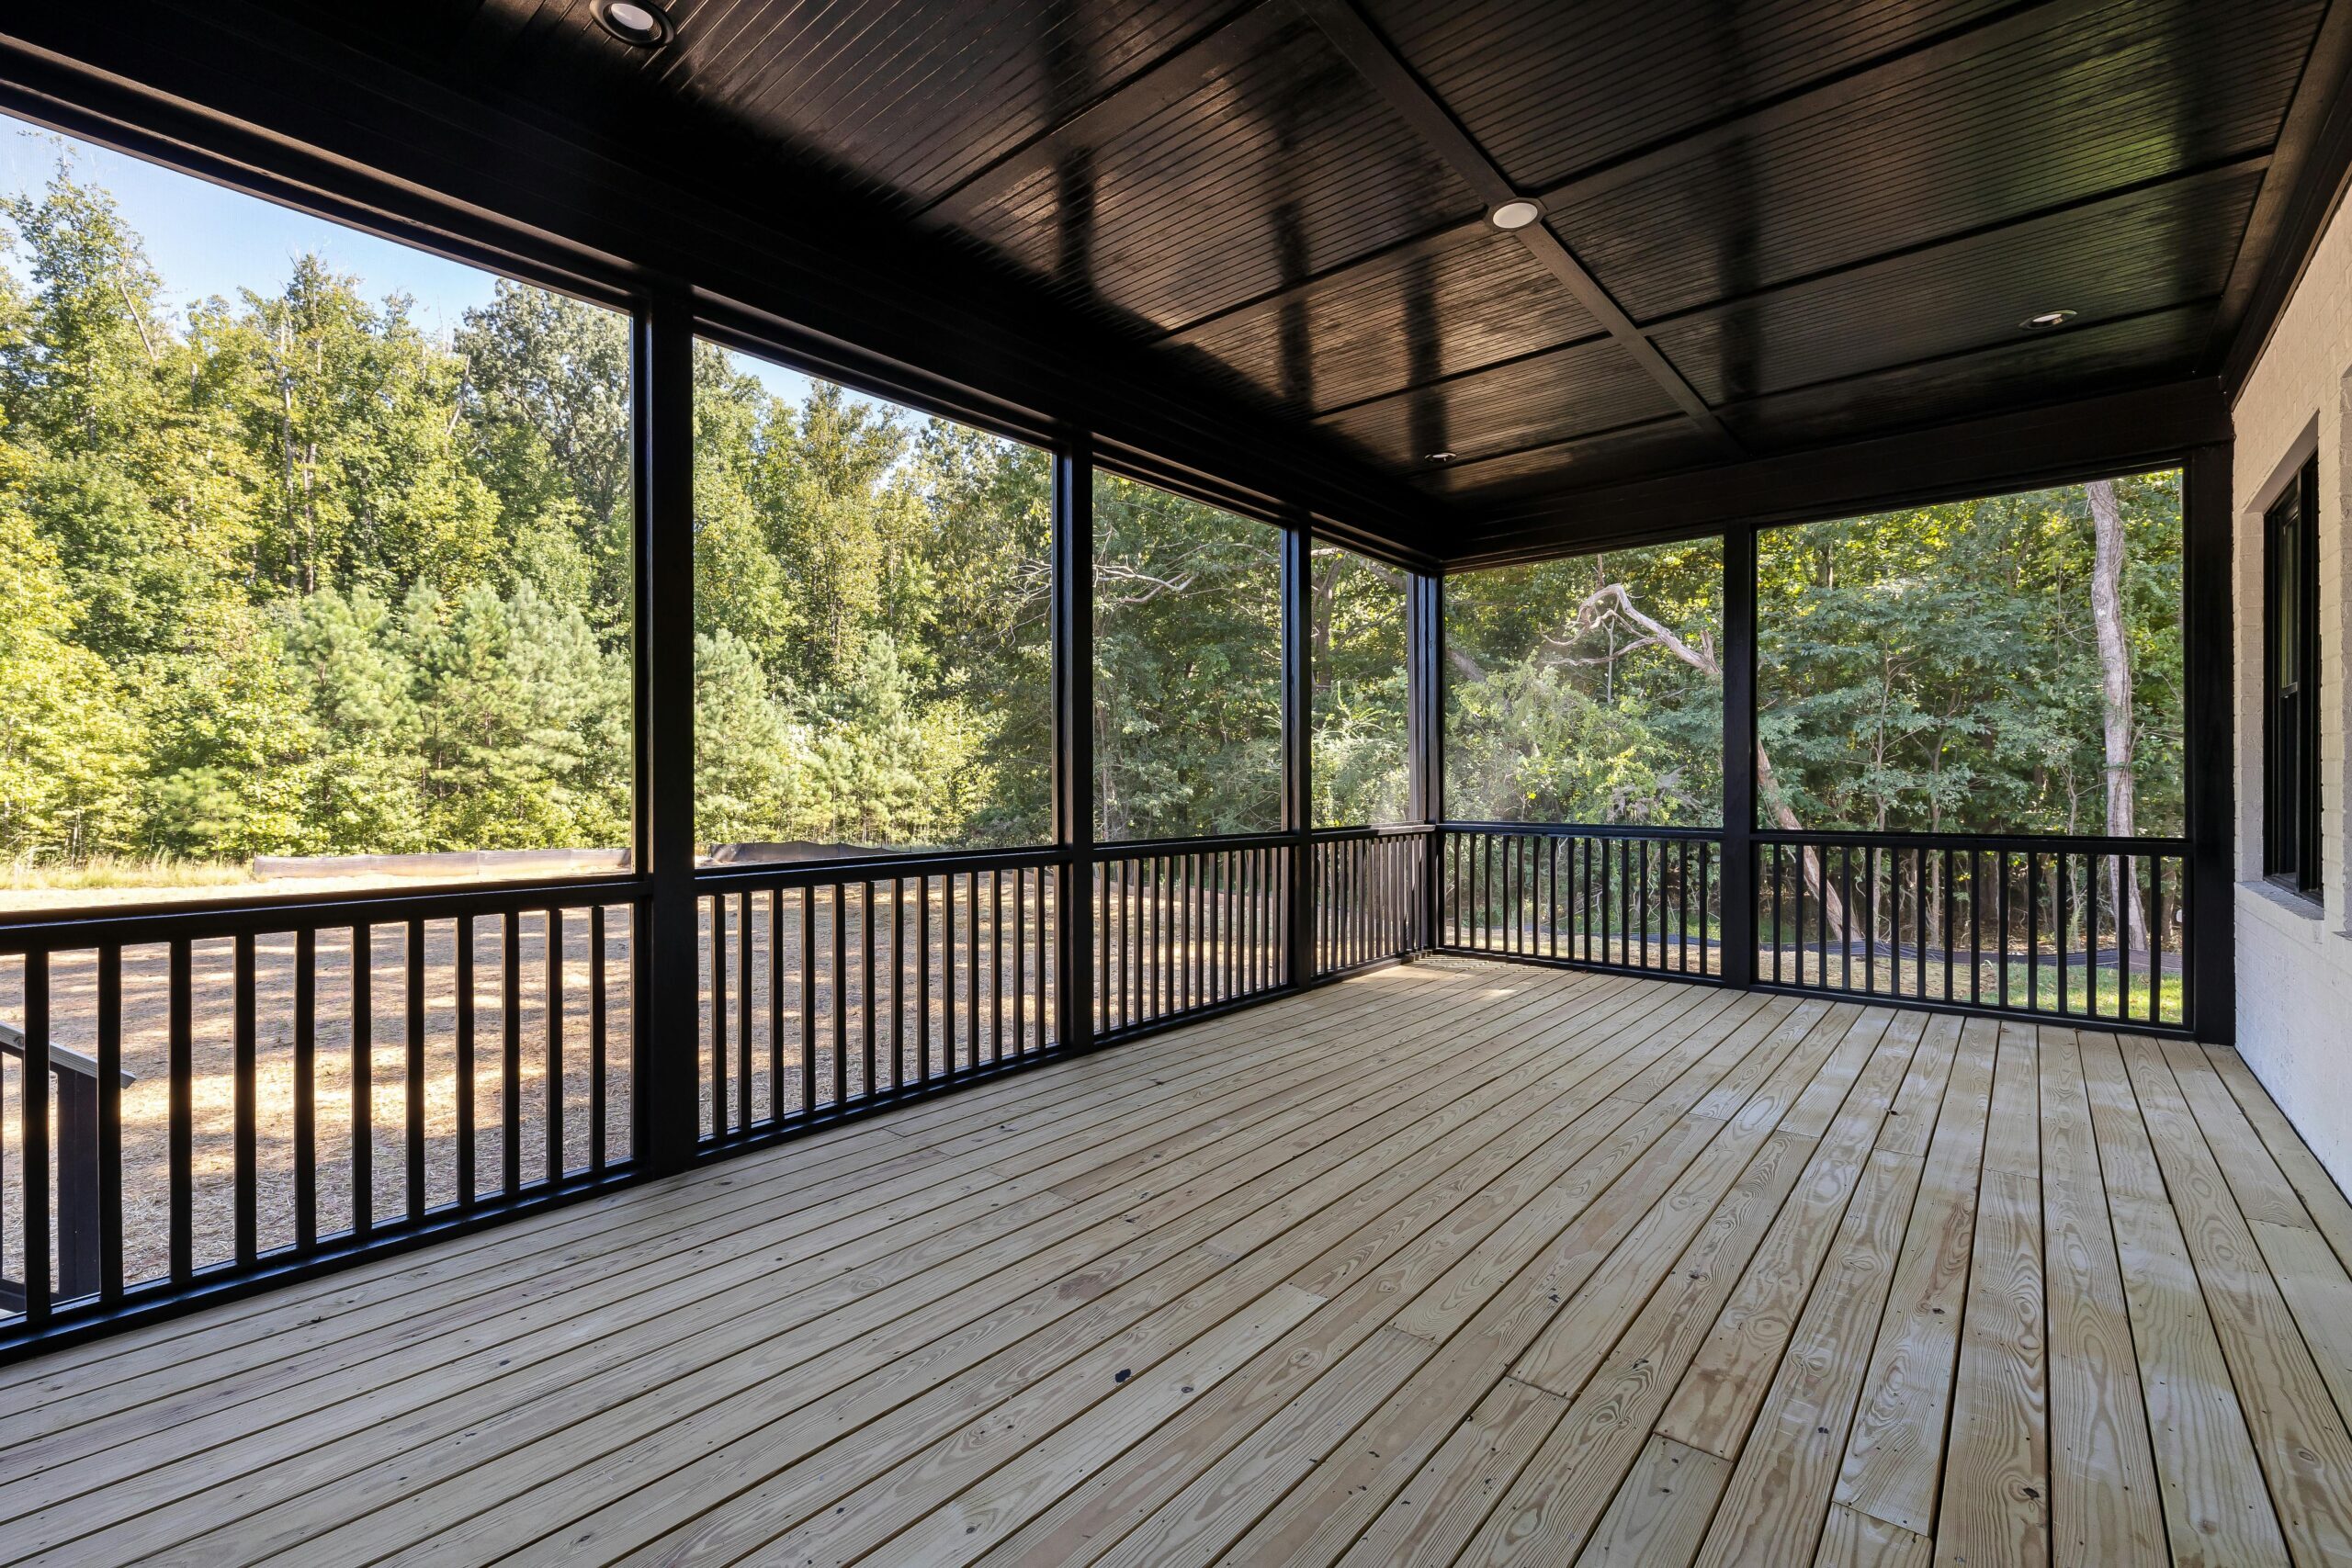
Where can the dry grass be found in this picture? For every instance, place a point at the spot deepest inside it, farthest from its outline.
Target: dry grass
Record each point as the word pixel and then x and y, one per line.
pixel 121 872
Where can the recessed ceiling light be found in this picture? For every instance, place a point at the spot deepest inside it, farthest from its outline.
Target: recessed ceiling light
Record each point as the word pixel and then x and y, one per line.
pixel 1440 456
pixel 638 22
pixel 1515 214
pixel 2047 319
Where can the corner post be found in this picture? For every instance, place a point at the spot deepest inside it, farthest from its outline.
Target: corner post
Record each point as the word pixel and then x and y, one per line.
pixel 1737 932
pixel 1073 635
pixel 667 950
pixel 1425 732
pixel 1298 723
pixel 2209 720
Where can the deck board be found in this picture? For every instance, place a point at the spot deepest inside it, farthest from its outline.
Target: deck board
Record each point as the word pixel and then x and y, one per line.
pixel 1455 1262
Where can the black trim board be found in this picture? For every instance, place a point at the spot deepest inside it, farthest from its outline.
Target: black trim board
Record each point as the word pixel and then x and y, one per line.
pixel 2084 439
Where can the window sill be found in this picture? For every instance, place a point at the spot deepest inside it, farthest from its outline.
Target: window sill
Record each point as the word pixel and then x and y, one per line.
pixel 2303 907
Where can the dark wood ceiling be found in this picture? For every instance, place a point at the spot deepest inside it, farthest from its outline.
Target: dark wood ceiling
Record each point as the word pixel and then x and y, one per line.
pixel 1768 224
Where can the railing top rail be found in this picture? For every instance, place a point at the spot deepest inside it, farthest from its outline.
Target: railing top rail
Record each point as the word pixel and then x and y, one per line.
pixel 2046 842
pixel 1377 831
pixel 868 868
pixel 1135 848
pixel 61 1059
pixel 204 921
pixel 1583 830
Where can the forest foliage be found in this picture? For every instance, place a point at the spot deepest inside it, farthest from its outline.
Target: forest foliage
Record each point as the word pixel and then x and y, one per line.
pixel 1935 668
pixel 290 574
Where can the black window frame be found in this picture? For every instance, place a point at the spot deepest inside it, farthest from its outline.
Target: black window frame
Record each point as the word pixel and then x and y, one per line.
pixel 2290 671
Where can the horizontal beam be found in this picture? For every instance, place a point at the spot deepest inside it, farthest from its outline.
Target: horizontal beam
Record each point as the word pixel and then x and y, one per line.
pixel 2051 445
pixel 1393 81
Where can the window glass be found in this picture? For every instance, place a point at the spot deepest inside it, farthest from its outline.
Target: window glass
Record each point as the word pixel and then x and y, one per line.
pixel 1358 769
pixel 1187 667
pixel 2291 719
pixel 873 596
pixel 2010 664
pixel 315 551
pixel 1587 690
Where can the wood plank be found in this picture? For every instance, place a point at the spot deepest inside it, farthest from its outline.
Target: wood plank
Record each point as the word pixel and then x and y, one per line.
pixel 1996 1504
pixel 1718 1397
pixel 1851 1539
pixel 637 1230
pixel 1557 1501
pixel 1535 1137
pixel 1773 1505
pixel 1893 1462
pixel 2104 1501
pixel 2320 1295
pixel 2323 1200
pixel 1347 1488
pixel 2306 1453
pixel 2217 1509
pixel 845 1300
pixel 2259 1188
pixel 1464 1262
pixel 1660 1513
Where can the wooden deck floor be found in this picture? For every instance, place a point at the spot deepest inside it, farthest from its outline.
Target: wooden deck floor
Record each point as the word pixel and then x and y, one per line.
pixel 1452 1263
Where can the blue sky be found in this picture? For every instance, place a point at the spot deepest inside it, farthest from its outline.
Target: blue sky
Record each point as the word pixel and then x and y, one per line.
pixel 205 239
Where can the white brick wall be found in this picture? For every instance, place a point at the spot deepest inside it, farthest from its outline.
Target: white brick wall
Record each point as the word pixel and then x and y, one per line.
pixel 2295 963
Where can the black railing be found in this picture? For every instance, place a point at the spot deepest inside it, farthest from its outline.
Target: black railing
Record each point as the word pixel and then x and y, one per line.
pixel 829 988
pixel 1370 895
pixel 268 1086
pixel 2084 928
pixel 1647 900
pixel 1185 926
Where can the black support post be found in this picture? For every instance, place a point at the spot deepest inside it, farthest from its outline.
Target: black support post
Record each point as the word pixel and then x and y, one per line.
pixel 1425 730
pixel 2208 646
pixel 1736 932
pixel 1298 720
pixel 1073 626
pixel 668 951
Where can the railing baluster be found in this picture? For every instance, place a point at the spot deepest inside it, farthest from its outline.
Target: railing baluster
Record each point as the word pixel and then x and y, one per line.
pixel 555 1079
pixel 805 947
pixel 110 1150
pixel 33 1138
pixel 510 1025
pixel 363 1088
pixel 599 1032
pixel 413 1121
pixel 718 906
pixel 841 999
pixel 865 988
pixel 743 1004
pixel 463 1046
pixel 246 1109
pixel 897 982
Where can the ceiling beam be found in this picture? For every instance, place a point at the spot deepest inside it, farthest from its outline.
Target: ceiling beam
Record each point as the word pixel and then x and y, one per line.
pixel 1394 81
pixel 2311 159
pixel 2189 179
pixel 1813 97
pixel 2062 442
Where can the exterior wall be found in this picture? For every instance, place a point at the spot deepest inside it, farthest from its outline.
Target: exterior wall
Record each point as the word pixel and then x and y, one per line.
pixel 2294 960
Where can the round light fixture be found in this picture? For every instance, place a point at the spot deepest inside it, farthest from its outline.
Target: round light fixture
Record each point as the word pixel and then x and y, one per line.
pixel 1440 456
pixel 2047 319
pixel 640 23
pixel 1515 214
